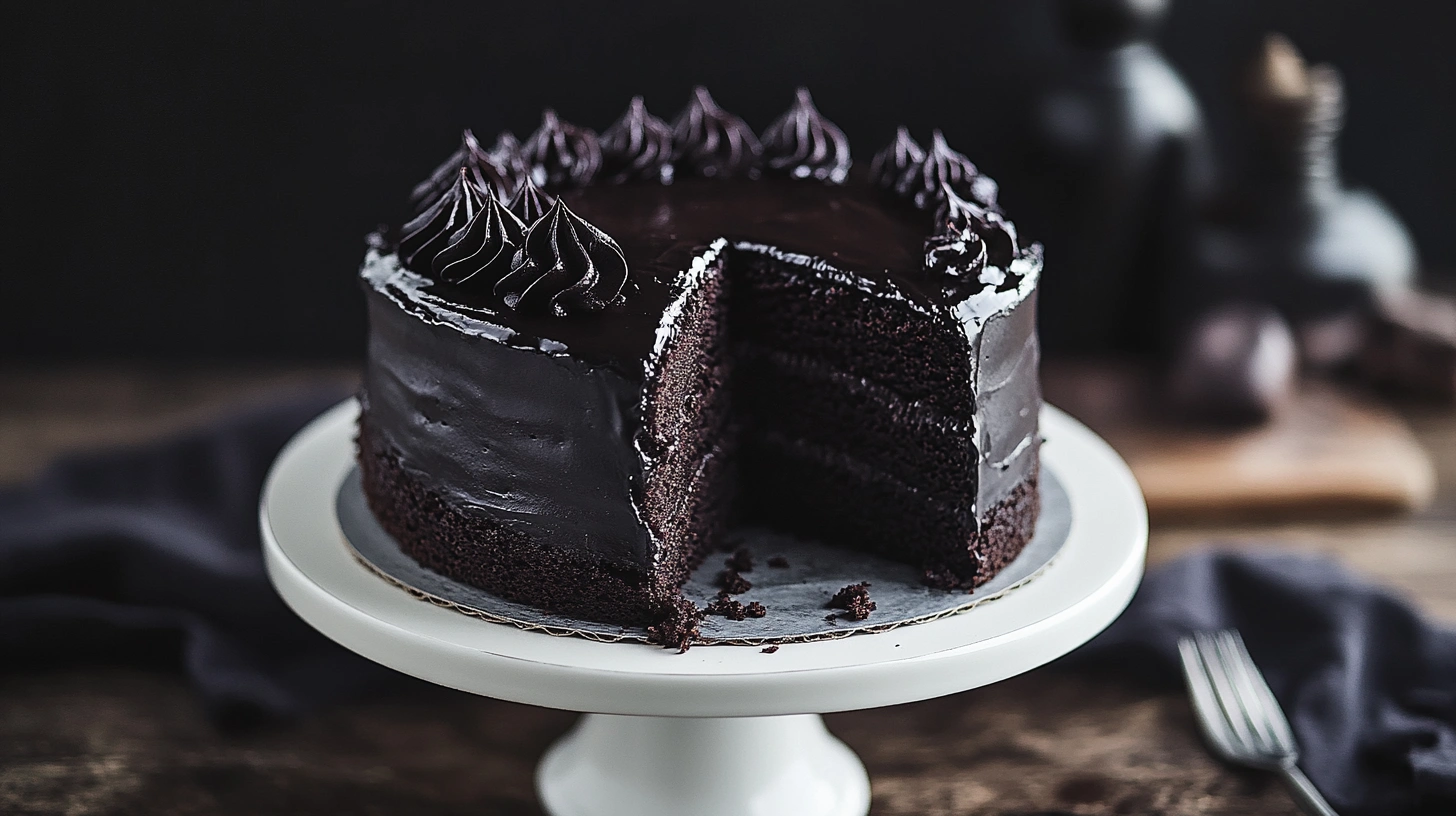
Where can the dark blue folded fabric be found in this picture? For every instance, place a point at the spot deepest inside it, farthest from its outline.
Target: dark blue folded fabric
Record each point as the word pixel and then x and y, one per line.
pixel 1368 686
pixel 152 556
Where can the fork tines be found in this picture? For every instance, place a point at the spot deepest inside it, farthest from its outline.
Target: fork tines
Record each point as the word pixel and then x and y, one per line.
pixel 1235 707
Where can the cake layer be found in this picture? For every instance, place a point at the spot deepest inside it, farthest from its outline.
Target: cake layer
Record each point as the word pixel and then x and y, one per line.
pixel 857 325
pixel 829 495
pixel 479 550
pixel 798 399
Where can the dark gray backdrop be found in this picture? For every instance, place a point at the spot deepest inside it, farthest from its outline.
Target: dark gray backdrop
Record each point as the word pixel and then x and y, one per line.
pixel 194 180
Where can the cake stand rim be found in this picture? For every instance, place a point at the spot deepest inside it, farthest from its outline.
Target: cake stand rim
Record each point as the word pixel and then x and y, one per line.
pixel 348 603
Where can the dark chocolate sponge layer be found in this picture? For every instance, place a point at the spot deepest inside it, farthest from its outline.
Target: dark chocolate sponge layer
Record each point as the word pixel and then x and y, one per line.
pixel 477 551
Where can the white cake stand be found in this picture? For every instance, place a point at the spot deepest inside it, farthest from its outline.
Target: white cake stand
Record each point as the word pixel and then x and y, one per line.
pixel 720 730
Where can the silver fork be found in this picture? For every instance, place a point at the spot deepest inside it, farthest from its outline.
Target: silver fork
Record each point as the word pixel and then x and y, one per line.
pixel 1239 715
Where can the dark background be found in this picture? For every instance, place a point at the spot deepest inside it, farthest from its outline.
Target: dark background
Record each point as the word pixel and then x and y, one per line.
pixel 194 180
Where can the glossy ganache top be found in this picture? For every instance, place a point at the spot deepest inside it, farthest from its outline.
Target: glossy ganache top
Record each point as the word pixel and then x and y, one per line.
pixel 587 250
pixel 661 229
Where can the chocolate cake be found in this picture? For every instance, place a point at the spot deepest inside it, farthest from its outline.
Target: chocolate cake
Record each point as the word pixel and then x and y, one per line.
pixel 590 354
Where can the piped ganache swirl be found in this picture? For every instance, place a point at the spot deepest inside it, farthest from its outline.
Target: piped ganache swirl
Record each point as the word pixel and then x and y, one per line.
pixel 530 204
pixel 637 146
pixel 945 168
pixel 566 266
pixel 499 168
pixel 908 170
pixel 802 144
pixel 713 143
pixel 430 231
pixel 891 165
pixel 560 154
pixel 955 215
pixel 955 257
pixel 484 251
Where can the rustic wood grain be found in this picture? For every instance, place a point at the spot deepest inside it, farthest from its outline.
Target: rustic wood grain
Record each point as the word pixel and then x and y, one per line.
pixel 107 740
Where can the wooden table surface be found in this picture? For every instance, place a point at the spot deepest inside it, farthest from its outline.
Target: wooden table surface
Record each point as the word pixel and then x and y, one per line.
pixel 122 741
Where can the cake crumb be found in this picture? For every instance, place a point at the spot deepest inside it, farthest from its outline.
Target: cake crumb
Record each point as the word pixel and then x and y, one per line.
pixel 854 600
pixel 770 649
pixel 733 583
pixel 754 609
pixel 778 561
pixel 741 560
pixel 940 577
pixel 678 627
pixel 726 607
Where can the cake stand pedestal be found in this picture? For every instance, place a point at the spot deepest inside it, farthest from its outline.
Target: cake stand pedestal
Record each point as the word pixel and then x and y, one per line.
pixel 720 729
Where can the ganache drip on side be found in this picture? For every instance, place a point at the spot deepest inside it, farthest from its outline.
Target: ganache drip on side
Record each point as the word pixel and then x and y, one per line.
pixel 943 166
pixel 430 231
pixel 479 255
pixel 713 143
pixel 499 167
pixel 891 165
pixel 530 204
pixel 638 146
pixel 802 144
pixel 566 266
pixel 561 155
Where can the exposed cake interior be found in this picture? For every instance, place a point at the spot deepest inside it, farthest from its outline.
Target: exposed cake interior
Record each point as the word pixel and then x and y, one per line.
pixel 846 437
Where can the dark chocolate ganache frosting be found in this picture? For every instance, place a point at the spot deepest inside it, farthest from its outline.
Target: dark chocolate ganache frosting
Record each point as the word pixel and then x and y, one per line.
pixel 713 143
pixel 956 258
pixel 566 266
pixel 481 254
pixel 956 215
pixel 530 204
pixel 943 166
pixel 560 154
pixel 637 146
pixel 506 154
pixel 890 166
pixel 430 231
pixel 802 144
pixel 500 168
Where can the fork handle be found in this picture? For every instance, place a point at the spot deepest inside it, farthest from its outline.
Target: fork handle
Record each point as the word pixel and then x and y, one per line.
pixel 1309 798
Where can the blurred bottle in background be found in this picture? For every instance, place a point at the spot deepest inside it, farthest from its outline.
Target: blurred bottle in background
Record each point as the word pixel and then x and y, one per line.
pixel 1286 231
pixel 1117 160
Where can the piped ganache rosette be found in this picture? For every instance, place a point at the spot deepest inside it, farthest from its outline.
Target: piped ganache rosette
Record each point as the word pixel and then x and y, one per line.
pixel 589 354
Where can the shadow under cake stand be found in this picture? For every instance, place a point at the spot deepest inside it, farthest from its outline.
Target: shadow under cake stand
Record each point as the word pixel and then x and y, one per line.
pixel 721 729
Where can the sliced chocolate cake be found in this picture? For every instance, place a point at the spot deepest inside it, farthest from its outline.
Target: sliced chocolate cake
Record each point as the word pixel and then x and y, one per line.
pixel 589 354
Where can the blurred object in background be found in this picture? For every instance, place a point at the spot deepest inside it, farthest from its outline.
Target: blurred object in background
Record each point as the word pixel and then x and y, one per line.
pixel 1410 346
pixel 1237 365
pixel 1286 231
pixel 1117 162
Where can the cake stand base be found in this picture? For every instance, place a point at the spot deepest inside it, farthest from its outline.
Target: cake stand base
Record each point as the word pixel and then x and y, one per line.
pixel 721 766
pixel 718 729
